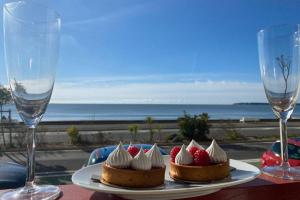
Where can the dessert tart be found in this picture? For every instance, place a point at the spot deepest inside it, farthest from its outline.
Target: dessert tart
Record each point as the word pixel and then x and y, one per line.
pixel 141 171
pixel 199 165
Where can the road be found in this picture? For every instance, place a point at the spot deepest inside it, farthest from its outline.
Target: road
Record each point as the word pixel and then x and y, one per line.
pixel 67 161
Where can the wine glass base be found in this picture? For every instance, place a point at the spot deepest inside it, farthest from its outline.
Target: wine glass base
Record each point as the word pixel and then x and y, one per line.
pixel 43 192
pixel 287 173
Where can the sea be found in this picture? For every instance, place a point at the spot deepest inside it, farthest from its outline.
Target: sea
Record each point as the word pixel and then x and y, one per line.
pixel 77 112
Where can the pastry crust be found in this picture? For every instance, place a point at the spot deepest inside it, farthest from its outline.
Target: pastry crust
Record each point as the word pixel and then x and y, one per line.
pixel 200 173
pixel 133 178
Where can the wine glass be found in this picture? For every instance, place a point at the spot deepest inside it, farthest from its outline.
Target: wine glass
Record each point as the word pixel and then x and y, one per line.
pixel 31 46
pixel 279 55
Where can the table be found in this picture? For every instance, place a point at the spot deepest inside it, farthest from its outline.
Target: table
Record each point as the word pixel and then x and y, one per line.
pixel 263 188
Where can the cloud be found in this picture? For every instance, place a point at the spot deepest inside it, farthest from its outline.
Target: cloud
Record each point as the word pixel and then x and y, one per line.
pixel 69 40
pixel 88 21
pixel 125 11
pixel 151 78
pixel 169 92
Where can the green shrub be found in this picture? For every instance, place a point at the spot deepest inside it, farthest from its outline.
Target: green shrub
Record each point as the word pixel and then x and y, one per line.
pixel 73 134
pixel 233 134
pixel 133 129
pixel 194 127
pixel 149 120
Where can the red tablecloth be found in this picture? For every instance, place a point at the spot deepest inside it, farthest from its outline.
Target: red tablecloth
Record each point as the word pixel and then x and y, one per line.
pixel 263 188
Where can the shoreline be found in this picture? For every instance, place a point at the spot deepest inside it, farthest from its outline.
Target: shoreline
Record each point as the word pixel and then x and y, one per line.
pixel 124 121
pixel 159 112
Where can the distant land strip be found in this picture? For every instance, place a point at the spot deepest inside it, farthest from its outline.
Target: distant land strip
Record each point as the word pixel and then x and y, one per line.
pixel 254 103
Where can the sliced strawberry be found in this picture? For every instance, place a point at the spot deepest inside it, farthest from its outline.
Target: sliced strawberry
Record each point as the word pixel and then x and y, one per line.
pixel 133 150
pixel 192 150
pixel 174 152
pixel 201 158
pixel 146 150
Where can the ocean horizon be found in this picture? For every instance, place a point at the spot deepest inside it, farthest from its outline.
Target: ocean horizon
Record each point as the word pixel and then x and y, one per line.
pixel 77 112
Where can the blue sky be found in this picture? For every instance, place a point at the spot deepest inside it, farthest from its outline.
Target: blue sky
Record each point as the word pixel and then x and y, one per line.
pixel 162 51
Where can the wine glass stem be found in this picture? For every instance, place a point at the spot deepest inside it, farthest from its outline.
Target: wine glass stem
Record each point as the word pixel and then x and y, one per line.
pixel 31 157
pixel 284 144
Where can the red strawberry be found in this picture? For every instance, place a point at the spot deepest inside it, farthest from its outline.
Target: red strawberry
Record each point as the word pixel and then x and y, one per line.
pixel 146 150
pixel 174 152
pixel 192 150
pixel 201 158
pixel 133 150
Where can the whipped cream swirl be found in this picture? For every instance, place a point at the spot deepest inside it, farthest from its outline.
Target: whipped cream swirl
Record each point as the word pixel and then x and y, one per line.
pixel 193 143
pixel 183 157
pixel 119 158
pixel 216 153
pixel 155 156
pixel 141 161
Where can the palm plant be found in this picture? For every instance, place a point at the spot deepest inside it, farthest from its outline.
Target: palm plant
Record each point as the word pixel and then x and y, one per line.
pixel 133 129
pixel 149 121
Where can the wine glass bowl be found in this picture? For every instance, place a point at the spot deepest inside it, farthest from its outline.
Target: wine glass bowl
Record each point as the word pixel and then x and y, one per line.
pixel 279 56
pixel 31 47
pixel 31 106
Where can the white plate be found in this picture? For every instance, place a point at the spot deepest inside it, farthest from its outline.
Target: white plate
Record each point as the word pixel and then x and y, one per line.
pixel 243 173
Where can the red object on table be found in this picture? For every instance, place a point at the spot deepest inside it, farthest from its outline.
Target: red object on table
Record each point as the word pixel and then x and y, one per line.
pixel 264 187
pixel 272 156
